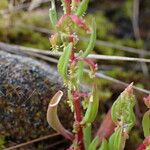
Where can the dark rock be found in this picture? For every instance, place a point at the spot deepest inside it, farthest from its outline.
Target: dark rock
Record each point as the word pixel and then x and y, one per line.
pixel 26 85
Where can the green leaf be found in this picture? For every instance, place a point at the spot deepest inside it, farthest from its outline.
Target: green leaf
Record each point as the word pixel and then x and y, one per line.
pixel 92 109
pixel 82 7
pixel 122 109
pixel 87 136
pixel 92 40
pixel 116 141
pixel 63 61
pixel 146 123
pixel 104 145
pixel 94 143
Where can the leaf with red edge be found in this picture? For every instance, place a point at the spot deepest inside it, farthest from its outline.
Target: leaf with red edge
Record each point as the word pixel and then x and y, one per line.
pixel 80 22
pixel 75 19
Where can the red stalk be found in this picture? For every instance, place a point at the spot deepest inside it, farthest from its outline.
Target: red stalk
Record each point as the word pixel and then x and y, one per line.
pixel 78 118
pixel 68 6
pixel 145 143
pixel 107 127
pixel 141 147
pixel 77 1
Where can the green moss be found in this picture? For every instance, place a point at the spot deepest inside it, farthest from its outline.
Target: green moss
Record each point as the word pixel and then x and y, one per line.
pixel 37 18
pixel 123 74
pixel 2 142
pixel 3 4
pixel 127 8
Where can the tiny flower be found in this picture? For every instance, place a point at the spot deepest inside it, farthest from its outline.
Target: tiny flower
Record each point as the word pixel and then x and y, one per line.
pixel 54 40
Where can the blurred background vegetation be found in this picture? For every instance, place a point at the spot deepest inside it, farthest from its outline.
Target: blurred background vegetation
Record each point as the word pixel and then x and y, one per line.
pixel 26 23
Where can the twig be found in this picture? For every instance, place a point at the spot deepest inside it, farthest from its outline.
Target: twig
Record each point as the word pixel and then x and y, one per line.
pixel 120 58
pixel 98 42
pixel 32 141
pixel 54 144
pixel 33 51
pixel 19 7
pixel 101 75
pixel 135 23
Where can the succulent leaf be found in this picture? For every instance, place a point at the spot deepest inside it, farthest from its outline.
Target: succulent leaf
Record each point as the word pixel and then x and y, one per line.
pixel 94 143
pixel 92 40
pixel 82 7
pixel 104 145
pixel 146 123
pixel 63 61
pixel 117 141
pixel 92 109
pixel 87 135
pixel 122 109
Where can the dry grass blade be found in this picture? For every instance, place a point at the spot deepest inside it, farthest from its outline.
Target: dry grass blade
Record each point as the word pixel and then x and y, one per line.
pixel 20 7
pixel 98 42
pixel 32 141
pixel 55 144
pixel 33 51
pixel 10 47
pixel 35 3
pixel 101 75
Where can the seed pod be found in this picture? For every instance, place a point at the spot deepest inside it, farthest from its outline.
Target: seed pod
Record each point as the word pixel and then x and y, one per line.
pixel 146 123
pixel 92 109
pixel 63 61
pixel 104 145
pixel 82 7
pixel 92 40
pixel 52 117
pixel 53 14
pixel 122 109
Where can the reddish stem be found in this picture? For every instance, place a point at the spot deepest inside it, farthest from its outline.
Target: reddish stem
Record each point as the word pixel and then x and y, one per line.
pixel 77 1
pixel 68 6
pixel 91 64
pixel 107 127
pixel 78 119
pixel 141 147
